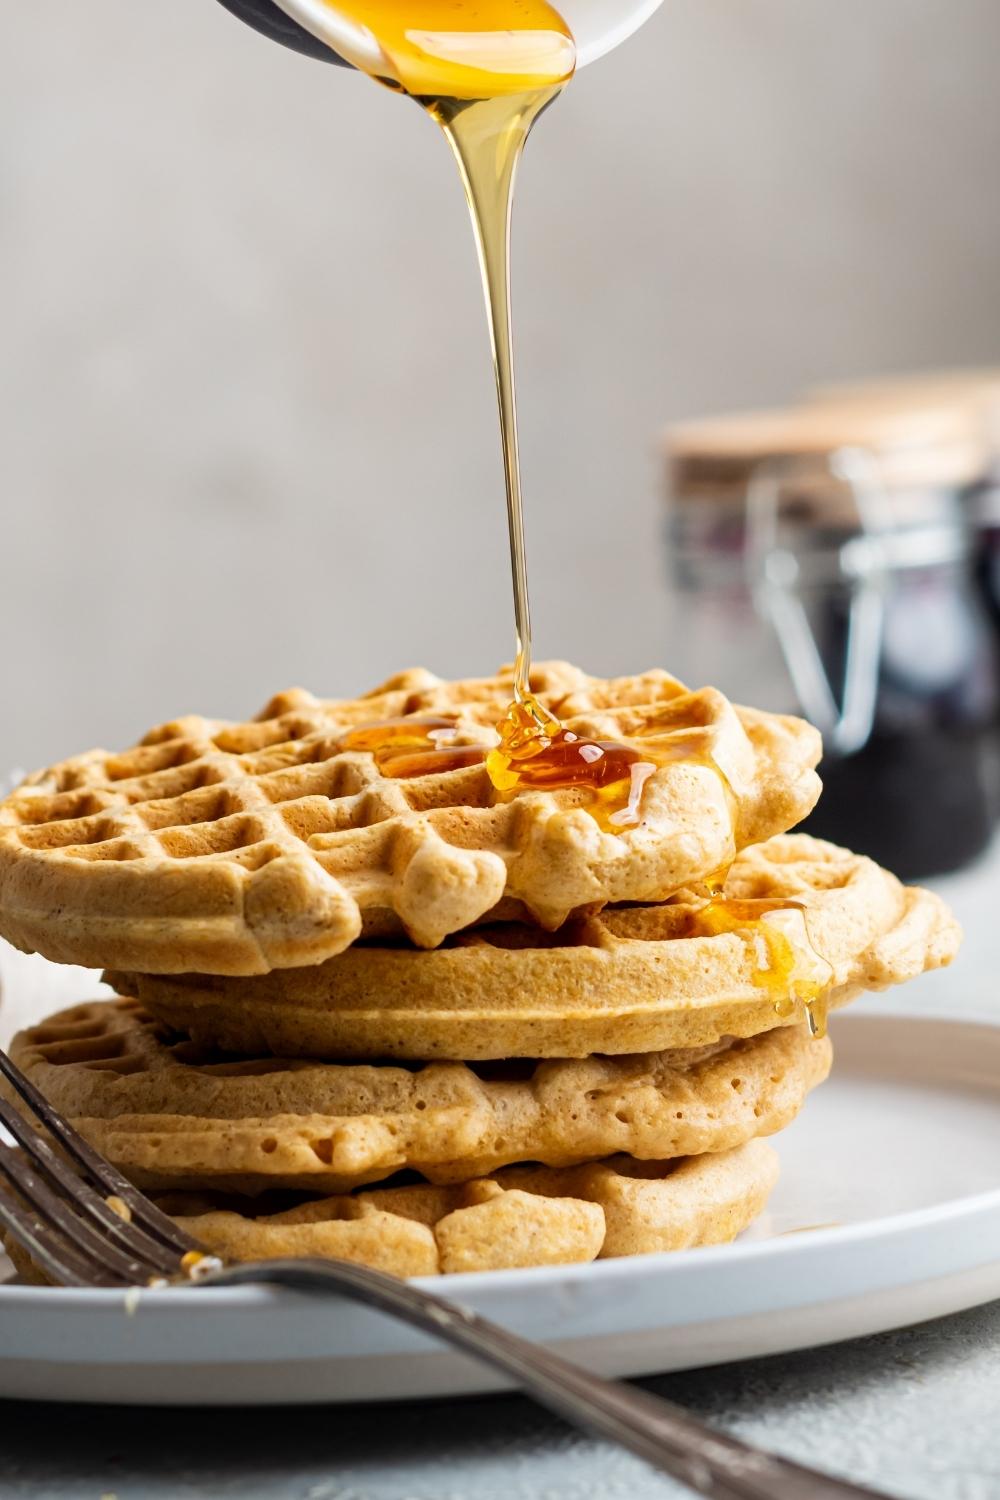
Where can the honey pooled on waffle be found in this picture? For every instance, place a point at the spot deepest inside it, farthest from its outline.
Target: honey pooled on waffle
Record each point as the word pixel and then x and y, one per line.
pixel 415 745
pixel 537 753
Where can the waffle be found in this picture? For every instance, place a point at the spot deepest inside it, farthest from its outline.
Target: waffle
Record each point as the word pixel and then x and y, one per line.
pixel 522 1217
pixel 170 1114
pixel 237 849
pixel 629 979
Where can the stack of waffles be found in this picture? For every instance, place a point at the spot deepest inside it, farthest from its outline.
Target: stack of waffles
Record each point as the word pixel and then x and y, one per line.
pixel 373 1007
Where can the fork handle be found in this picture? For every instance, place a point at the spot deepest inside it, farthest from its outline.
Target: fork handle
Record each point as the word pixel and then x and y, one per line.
pixel 665 1435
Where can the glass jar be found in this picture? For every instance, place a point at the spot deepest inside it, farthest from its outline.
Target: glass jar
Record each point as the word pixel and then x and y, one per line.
pixel 978 391
pixel 821 563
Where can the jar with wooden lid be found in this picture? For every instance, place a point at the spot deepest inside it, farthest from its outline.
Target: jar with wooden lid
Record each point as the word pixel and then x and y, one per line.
pixel 821 562
pixel 978 390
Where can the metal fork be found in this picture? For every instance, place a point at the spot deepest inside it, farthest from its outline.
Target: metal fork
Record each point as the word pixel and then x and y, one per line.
pixel 84 1224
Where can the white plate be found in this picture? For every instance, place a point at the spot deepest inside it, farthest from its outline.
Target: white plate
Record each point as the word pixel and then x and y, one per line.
pixel 899 1153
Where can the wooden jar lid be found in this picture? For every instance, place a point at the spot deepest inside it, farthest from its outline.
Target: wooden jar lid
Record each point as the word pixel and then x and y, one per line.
pixel 976 388
pixel 914 448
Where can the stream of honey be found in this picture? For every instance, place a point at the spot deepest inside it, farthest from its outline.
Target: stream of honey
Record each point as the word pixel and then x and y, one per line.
pixel 484 70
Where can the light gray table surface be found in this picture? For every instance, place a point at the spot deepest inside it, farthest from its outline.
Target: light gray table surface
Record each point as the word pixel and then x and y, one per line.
pixel 916 1412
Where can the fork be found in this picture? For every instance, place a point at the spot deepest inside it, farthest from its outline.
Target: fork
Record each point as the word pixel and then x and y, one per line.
pixel 84 1224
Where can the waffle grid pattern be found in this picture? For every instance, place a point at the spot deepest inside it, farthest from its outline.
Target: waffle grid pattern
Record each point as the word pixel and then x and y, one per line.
pixel 241 848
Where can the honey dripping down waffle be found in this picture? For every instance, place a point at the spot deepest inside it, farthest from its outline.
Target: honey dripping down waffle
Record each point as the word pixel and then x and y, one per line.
pixel 535 752
pixel 629 979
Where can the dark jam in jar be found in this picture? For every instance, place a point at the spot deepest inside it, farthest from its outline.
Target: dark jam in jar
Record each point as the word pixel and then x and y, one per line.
pixel 920 796
pixel 829 556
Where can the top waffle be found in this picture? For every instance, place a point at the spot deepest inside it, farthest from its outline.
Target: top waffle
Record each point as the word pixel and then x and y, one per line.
pixel 232 848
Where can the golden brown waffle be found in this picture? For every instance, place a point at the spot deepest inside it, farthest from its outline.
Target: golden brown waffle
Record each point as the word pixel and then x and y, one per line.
pixel 523 1217
pixel 240 848
pixel 170 1114
pixel 629 979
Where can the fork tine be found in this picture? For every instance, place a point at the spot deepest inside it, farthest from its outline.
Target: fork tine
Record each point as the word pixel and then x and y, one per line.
pixel 58 1213
pixel 49 1250
pixel 106 1178
pixel 135 1242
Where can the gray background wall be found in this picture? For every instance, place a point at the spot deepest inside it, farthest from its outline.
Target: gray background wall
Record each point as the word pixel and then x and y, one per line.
pixel 248 434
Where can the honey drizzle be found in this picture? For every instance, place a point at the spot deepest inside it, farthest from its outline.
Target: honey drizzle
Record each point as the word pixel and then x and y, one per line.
pixel 613 775
pixel 485 70
pixel 488 139
pixel 771 950
pixel 545 756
